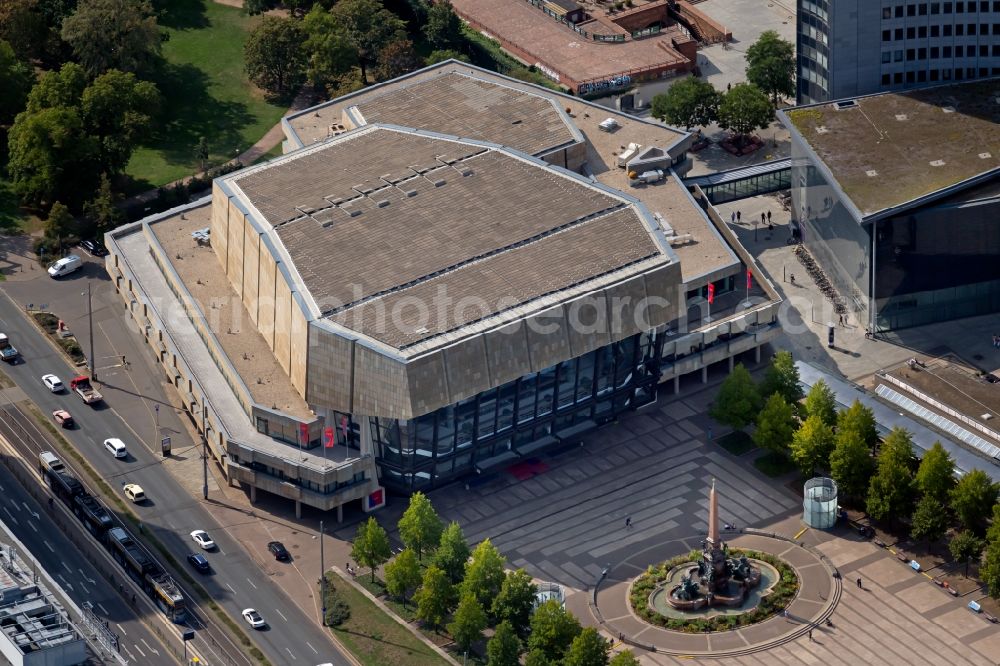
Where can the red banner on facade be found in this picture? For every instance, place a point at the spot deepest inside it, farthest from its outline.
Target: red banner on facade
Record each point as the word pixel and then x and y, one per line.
pixel 328 437
pixel 304 432
pixel 711 293
pixel 749 279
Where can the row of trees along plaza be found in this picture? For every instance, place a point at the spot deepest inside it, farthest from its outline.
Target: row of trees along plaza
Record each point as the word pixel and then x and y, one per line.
pixel 882 476
pixel 469 593
pixel 693 102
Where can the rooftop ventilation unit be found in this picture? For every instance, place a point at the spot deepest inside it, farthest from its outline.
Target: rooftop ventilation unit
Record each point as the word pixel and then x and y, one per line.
pixel 901 117
pixel 822 129
pixel 845 104
pixel 948 109
pixel 382 204
pixel 937 163
pixel 985 156
pixel 871 173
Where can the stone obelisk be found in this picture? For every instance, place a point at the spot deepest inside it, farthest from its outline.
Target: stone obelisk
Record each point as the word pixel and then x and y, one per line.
pixel 713 518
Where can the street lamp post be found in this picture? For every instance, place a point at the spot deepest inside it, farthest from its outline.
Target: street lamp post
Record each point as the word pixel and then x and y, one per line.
pixel 204 451
pixel 90 322
pixel 322 573
pixel 185 637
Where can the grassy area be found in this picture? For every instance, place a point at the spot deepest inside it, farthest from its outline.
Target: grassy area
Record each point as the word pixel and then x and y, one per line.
pixel 774 464
pixel 14 219
pixel 269 155
pixel 487 53
pixel 736 442
pixel 205 93
pixel 376 639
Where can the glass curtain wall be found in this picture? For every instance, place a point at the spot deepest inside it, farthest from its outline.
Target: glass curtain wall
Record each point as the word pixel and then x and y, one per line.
pixel 501 424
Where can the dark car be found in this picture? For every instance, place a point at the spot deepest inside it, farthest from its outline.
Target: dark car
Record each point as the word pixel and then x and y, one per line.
pixel 278 550
pixel 199 562
pixel 95 247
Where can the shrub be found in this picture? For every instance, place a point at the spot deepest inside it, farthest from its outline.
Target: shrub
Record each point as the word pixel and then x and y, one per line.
pixel 48 321
pixel 337 610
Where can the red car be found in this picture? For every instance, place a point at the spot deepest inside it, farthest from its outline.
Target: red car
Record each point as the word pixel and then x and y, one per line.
pixel 63 418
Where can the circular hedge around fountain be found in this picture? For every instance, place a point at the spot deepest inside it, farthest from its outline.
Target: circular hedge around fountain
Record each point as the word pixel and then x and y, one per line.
pixel 780 595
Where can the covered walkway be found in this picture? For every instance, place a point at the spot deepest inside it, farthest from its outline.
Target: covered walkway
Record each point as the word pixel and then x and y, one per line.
pixel 745 182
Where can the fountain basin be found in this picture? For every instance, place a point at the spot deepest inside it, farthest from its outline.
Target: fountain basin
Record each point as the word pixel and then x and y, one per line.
pixel 730 601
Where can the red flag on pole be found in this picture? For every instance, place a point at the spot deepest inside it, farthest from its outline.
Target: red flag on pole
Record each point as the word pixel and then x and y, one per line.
pixel 749 279
pixel 711 293
pixel 304 432
pixel 328 437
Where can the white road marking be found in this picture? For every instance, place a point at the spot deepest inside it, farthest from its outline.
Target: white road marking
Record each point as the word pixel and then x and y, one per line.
pixel 32 526
pixel 149 647
pixel 3 489
pixel 281 614
pixel 11 516
pixel 290 653
pixel 103 609
pixel 49 545
pixel 13 503
pixel 231 588
pixel 28 509
pixel 122 629
pixel 67 567
pixel 85 590
pixel 221 552
pixel 311 647
pixel 130 655
pixel 87 578
pixel 138 649
pixel 251 584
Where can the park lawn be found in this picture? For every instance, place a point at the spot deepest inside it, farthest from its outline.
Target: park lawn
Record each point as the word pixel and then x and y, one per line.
pixel 14 219
pixel 205 93
pixel 375 638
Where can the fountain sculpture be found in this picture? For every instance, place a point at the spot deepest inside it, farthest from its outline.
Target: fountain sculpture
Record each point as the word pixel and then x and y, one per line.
pixel 715 579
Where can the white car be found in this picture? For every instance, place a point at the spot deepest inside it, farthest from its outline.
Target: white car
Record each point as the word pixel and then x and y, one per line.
pixel 253 618
pixel 53 383
pixel 202 539
pixel 134 492
pixel 65 266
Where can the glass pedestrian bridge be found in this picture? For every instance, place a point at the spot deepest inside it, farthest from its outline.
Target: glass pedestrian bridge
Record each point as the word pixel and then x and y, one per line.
pixel 744 182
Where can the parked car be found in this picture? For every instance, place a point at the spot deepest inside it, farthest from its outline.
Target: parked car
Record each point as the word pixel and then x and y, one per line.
pixel 94 247
pixel 202 539
pixel 279 551
pixel 53 383
pixel 63 418
pixel 200 563
pixel 65 266
pixel 133 491
pixel 254 618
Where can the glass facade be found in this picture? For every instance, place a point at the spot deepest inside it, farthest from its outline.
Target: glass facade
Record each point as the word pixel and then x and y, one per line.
pixel 812 46
pixel 520 417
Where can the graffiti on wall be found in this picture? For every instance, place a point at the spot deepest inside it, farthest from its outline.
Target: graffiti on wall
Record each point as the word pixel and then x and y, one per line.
pixel 613 83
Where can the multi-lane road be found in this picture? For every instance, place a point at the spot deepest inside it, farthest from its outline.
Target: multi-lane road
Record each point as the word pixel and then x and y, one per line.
pixel 171 513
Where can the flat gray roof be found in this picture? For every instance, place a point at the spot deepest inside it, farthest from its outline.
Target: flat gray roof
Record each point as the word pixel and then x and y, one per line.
pixel 461 105
pixel 888 149
pixel 380 215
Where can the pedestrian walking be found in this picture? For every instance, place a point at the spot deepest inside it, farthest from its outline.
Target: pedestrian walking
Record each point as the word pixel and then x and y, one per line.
pixel 768 217
pixel 628 521
pixel 739 216
pixel 732 219
pixel 841 320
pixel 763 221
pixel 860 586
pixel 810 634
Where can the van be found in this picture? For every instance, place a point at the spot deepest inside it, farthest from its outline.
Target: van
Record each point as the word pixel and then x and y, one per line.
pixel 65 266
pixel 116 447
pixel 48 461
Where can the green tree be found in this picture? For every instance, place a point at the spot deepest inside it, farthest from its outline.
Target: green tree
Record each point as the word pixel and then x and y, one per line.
pixel 274 57
pixel 434 597
pixel 52 156
pixel 402 574
pixel 442 27
pixel 851 464
pixel 538 658
pixel 782 377
pixel 890 492
pixel 936 474
pixel 744 109
pixel 60 225
pixel 930 520
pixel 118 110
pixel 516 600
pixel 453 552
pixel 420 525
pixel 504 649
pixel 102 213
pixel 484 573
pixel 771 65
pixel 775 425
pixel 973 498
pixel 255 7
pixel 821 402
pixel 624 658
pixel 15 82
pixel 59 88
pixel 369 26
pixel 861 422
pixel 371 546
pixel 989 572
pixel 738 401
pixel 588 649
pixel 395 59
pixel 812 445
pixel 553 629
pixel 202 151
pixel 966 547
pixel 691 102
pixel 330 53
pixel 440 55
pixel 467 623
pixel 23 26
pixel 113 34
